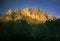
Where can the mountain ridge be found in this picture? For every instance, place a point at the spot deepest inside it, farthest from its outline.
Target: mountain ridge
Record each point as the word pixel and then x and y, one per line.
pixel 35 16
pixel 29 24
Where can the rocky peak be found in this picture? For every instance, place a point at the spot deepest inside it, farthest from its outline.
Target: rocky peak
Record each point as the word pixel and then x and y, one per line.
pixel 30 15
pixel 9 12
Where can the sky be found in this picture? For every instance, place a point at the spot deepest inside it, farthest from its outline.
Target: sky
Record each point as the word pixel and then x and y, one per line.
pixel 50 6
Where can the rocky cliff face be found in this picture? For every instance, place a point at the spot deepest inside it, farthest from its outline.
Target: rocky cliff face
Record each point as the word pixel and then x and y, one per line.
pixel 29 24
pixel 30 15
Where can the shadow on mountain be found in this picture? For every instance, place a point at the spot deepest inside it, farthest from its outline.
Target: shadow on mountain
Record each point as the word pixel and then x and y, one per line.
pixel 48 31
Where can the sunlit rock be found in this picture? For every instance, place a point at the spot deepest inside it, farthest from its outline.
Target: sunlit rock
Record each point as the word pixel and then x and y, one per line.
pixel 34 16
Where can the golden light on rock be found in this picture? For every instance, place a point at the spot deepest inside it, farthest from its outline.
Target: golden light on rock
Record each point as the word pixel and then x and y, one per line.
pixel 30 15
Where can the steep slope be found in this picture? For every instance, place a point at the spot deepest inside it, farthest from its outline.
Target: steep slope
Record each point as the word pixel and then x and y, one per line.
pixel 29 24
pixel 34 16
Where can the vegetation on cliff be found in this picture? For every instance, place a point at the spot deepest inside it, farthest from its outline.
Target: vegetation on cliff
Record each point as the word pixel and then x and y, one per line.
pixel 29 24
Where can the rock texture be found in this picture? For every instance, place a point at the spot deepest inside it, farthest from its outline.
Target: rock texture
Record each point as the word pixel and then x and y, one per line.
pixel 35 16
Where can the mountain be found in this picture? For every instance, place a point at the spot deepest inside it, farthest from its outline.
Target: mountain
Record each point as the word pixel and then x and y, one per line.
pixel 29 24
pixel 34 16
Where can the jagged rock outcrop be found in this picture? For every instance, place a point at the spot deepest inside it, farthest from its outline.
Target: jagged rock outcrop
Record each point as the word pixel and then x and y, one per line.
pixel 35 16
pixel 8 15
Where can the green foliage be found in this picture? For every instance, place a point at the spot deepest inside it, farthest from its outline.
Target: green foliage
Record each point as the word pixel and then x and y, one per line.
pixel 50 30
